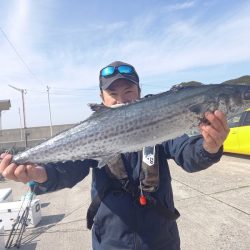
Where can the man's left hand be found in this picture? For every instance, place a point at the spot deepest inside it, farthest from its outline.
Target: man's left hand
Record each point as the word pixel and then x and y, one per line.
pixel 216 132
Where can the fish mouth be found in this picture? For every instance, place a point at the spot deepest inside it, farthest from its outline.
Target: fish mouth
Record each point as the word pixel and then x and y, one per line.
pixel 203 121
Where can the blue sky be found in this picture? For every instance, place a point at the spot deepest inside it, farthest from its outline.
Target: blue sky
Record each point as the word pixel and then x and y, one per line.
pixel 65 43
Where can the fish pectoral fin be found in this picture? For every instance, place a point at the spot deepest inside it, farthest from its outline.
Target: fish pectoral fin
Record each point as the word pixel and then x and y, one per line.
pixel 110 159
pixel 97 107
pixel 101 163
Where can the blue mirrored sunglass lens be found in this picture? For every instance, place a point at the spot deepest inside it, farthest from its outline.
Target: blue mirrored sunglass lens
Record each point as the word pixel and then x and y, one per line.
pixel 108 71
pixel 125 69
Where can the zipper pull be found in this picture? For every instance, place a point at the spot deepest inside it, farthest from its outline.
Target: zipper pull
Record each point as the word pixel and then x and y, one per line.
pixel 142 198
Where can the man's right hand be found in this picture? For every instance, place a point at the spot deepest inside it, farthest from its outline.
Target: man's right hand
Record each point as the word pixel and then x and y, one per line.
pixel 21 173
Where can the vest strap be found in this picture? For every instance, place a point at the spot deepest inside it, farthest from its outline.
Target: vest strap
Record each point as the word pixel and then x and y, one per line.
pixel 134 191
pixel 94 206
pixel 162 210
pixel 149 174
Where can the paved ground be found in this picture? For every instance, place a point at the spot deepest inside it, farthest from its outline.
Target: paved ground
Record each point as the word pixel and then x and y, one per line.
pixel 214 206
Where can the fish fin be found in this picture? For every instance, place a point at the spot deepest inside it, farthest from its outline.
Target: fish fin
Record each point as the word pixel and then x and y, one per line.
pixel 148 95
pixel 97 107
pixel 107 160
pixel 101 164
pixel 185 85
pixel 100 107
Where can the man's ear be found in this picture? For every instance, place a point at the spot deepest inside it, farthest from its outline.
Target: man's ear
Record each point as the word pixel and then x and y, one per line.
pixel 139 91
pixel 101 95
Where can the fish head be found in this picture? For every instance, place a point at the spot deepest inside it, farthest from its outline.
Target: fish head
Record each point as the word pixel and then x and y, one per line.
pixel 234 99
pixel 231 99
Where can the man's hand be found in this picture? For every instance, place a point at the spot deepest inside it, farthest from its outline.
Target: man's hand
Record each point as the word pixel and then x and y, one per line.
pixel 216 132
pixel 21 173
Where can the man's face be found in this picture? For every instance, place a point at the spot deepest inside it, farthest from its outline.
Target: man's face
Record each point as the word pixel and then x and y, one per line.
pixel 121 91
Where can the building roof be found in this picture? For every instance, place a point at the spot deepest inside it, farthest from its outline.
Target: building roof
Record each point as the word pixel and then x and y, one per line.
pixel 5 105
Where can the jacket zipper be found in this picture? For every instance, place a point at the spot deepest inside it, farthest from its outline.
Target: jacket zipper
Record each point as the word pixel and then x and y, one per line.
pixel 136 242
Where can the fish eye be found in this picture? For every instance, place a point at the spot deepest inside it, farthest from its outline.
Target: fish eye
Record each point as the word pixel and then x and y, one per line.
pixel 197 108
pixel 246 95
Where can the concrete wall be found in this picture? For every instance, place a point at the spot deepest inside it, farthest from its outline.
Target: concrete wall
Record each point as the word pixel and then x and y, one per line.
pixel 14 138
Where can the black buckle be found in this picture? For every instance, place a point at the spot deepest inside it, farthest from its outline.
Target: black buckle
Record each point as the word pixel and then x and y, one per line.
pixel 125 185
pixel 128 187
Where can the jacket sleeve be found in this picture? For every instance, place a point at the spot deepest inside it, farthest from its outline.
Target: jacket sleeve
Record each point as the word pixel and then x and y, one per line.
pixel 188 152
pixel 64 175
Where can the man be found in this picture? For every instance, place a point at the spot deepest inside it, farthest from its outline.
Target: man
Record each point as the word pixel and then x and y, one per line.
pixel 132 201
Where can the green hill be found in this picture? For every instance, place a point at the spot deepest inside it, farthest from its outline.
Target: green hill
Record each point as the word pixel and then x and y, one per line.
pixel 191 83
pixel 240 80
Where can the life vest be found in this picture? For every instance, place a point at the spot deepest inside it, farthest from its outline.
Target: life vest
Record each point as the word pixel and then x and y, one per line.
pixel 149 180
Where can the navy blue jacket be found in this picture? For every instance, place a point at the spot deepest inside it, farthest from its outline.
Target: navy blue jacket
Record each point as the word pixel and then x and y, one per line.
pixel 121 223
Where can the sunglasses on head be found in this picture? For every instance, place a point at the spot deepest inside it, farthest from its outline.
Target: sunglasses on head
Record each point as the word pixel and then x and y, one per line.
pixel 122 69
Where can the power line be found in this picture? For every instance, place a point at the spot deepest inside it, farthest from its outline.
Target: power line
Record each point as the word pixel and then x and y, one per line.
pixel 19 56
pixel 60 93
pixel 76 89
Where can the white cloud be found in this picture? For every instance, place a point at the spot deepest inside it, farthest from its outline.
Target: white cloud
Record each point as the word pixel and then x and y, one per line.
pixel 180 6
pixel 192 44
pixel 18 22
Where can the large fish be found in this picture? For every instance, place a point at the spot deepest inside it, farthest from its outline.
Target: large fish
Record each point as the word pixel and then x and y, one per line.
pixel 146 122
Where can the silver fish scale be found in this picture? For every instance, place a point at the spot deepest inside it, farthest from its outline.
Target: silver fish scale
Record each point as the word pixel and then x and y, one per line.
pixel 131 127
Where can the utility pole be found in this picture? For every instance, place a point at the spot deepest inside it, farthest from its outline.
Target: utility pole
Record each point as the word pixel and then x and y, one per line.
pixel 21 131
pixel 51 128
pixel 23 92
